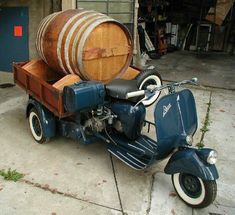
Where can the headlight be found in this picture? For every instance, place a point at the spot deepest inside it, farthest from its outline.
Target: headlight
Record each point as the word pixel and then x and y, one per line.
pixel 212 157
pixel 189 139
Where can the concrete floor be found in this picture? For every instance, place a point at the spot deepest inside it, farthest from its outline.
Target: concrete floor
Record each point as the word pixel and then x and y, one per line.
pixel 66 177
pixel 212 69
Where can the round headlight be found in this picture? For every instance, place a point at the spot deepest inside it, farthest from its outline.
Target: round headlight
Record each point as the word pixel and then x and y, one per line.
pixel 212 157
pixel 189 139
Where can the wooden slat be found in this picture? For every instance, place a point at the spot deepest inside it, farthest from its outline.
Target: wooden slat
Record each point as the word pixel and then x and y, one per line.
pixel 40 90
pixel 130 73
pixel 40 69
pixel 66 81
pixel 106 36
pixel 95 53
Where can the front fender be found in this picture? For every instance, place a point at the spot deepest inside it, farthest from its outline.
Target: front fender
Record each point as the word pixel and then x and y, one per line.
pixel 188 161
pixel 47 118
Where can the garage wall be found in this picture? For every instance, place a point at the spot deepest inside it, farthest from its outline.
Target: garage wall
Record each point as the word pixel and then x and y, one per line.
pixel 121 10
pixel 37 10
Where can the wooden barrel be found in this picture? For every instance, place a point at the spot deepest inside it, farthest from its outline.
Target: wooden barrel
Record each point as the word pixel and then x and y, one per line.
pixel 83 42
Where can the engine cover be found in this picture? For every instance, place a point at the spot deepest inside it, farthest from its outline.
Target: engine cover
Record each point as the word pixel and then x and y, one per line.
pixel 83 95
pixel 131 117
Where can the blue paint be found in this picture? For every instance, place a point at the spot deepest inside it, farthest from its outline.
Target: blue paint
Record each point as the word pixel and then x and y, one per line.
pixel 131 117
pixel 47 118
pixel 13 49
pixel 188 161
pixel 69 129
pixel 84 95
pixel 175 117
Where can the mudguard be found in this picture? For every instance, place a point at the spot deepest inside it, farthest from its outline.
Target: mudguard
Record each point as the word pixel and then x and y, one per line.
pixel 48 119
pixel 188 161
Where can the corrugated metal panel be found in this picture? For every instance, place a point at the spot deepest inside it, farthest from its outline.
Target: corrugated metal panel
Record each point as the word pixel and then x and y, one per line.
pixel 121 10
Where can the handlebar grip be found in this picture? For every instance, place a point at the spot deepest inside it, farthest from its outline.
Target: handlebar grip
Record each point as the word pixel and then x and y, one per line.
pixel 194 80
pixel 135 94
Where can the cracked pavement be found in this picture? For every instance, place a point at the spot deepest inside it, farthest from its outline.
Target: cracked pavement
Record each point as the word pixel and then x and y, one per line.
pixel 66 177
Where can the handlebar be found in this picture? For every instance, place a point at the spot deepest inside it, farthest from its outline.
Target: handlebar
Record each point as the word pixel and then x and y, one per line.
pixel 135 94
pixel 174 84
pixel 153 88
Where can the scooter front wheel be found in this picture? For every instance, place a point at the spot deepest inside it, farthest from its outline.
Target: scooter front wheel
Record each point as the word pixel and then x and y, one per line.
pixel 194 191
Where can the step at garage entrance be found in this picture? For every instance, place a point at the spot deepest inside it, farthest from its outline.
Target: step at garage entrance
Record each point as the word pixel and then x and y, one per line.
pixel 13 36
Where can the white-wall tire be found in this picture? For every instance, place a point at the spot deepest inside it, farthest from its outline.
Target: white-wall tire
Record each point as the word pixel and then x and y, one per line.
pixel 35 126
pixel 146 78
pixel 199 194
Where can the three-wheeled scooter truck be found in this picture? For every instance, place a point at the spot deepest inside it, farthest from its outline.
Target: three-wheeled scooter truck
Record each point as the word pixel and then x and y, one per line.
pixel 115 113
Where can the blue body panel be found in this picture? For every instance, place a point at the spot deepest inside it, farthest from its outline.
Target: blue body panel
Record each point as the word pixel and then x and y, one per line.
pixel 48 119
pixel 131 117
pixel 188 161
pixel 175 117
pixel 83 95
pixel 69 129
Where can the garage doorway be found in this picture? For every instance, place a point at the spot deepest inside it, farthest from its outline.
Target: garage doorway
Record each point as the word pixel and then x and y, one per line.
pixel 13 36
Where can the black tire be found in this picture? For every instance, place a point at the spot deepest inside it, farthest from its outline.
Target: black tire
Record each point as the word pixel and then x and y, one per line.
pixel 149 77
pixel 35 126
pixel 194 191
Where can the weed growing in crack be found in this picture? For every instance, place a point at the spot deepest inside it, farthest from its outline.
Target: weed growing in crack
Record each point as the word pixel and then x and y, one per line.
pixel 206 125
pixel 207 122
pixel 200 144
pixel 11 175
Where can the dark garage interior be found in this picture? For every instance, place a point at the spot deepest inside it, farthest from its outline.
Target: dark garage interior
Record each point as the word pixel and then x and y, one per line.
pixel 190 36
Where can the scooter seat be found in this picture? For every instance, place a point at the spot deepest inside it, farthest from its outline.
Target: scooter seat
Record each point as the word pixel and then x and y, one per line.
pixel 118 88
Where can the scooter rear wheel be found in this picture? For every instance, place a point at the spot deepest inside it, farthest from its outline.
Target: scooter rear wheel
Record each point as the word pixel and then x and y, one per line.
pixel 194 191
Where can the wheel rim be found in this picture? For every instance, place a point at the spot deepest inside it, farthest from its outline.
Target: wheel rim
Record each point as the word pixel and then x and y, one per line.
pixel 191 185
pixel 190 188
pixel 35 126
pixel 154 80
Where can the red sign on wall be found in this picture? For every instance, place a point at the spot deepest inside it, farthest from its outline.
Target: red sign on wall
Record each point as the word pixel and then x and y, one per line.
pixel 18 31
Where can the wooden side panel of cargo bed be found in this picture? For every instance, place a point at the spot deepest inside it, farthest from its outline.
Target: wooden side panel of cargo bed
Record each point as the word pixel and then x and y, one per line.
pixel 40 90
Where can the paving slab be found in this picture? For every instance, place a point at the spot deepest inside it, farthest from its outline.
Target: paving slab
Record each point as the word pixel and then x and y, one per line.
pixel 221 134
pixel 164 200
pixel 19 198
pixel 202 98
pixel 6 77
pixel 62 164
pixel 134 188
pixel 226 183
pixel 215 210
pixel 212 69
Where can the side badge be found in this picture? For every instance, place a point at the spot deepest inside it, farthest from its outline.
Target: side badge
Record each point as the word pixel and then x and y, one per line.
pixel 166 109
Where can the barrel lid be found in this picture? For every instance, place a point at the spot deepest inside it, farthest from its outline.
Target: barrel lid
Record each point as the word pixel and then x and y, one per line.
pixel 105 50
